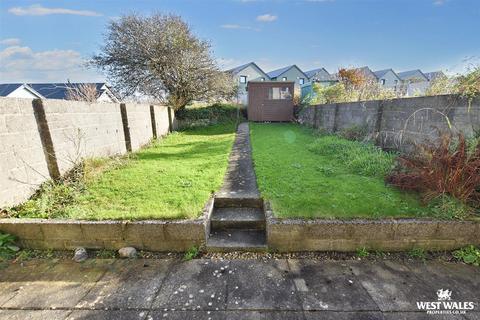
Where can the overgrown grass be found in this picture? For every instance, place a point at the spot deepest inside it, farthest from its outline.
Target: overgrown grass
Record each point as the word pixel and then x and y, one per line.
pixel 171 179
pixel 309 176
pixel 193 116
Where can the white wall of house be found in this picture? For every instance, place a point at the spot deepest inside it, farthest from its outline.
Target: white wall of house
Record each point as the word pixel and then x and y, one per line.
pixel 21 92
pixel 321 76
pixel 414 85
pixel 390 80
pixel 252 73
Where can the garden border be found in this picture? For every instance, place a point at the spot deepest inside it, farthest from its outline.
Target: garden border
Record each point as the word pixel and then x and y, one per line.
pixel 153 235
pixel 295 235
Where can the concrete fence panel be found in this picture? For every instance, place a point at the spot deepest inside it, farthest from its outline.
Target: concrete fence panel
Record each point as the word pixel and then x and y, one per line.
pixel 43 139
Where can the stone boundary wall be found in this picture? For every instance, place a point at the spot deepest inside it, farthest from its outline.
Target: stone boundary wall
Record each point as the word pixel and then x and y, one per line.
pixel 295 235
pixel 42 139
pixel 398 123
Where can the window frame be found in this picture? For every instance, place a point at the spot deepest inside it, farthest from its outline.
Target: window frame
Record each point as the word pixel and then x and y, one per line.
pixel 243 77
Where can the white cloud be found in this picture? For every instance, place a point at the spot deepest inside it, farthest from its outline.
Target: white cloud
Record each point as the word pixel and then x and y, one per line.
pixel 22 64
pixel 38 10
pixel 237 26
pixel 267 17
pixel 10 42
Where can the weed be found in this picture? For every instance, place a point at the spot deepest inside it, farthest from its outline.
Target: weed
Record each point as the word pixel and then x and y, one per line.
pixel 363 252
pixel 7 246
pixel 447 207
pixel 106 254
pixel 191 253
pixel 417 253
pixel 355 133
pixel 469 255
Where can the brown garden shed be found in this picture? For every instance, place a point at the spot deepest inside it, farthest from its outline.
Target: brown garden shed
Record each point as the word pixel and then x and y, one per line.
pixel 270 100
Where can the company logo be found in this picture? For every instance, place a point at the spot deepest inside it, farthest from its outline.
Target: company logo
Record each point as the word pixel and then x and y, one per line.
pixel 445 305
pixel 444 294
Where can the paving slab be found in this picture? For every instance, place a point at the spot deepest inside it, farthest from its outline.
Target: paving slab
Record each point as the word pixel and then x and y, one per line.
pixel 33 314
pixel 108 315
pixel 61 286
pixel 393 287
pixel 421 316
pixel 261 285
pixel 240 180
pixel 333 315
pixel 462 280
pixel 194 285
pixel 226 315
pixel 127 284
pixel 329 286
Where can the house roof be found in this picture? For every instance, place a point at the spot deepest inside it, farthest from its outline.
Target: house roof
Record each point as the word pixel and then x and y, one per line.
pixel 7 88
pixel 433 75
pixel 312 73
pixel 243 66
pixel 279 72
pixel 61 90
pixel 53 90
pixel 410 73
pixel 380 73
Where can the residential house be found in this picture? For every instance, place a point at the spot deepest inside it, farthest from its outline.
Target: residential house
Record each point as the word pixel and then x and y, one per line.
pixel 63 91
pixel 414 82
pixel 244 73
pixel 432 76
pixel 289 73
pixel 388 79
pixel 320 76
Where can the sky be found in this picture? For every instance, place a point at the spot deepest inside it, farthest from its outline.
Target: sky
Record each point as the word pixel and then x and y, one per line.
pixel 49 41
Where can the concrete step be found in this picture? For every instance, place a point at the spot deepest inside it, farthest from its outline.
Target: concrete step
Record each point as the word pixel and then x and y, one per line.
pixel 237 240
pixel 238 202
pixel 237 218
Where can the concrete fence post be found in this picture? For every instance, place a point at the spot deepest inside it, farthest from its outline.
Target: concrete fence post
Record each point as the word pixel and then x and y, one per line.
pixel 46 139
pixel 170 122
pixel 335 118
pixel 378 123
pixel 154 123
pixel 126 128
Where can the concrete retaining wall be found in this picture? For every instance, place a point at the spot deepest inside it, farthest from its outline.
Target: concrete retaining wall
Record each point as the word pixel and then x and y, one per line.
pixel 42 139
pixel 152 235
pixel 290 235
pixel 398 123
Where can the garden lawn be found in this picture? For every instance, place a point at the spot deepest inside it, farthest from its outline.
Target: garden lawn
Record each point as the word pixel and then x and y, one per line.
pixel 171 179
pixel 300 181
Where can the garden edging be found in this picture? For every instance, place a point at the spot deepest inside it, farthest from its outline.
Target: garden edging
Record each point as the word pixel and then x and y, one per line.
pixel 295 235
pixel 152 235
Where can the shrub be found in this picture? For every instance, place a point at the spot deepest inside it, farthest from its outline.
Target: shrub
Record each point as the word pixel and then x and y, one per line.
pixel 355 133
pixel 217 113
pixel 7 246
pixel 447 168
pixel 362 158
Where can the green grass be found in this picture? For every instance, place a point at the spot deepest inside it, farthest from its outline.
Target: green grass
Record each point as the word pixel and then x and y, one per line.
pixel 171 179
pixel 309 176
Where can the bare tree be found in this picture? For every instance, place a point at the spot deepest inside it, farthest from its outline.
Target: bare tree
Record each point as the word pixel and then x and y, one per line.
pixel 82 92
pixel 159 56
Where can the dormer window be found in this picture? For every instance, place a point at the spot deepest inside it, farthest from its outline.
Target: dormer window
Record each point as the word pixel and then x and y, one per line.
pixel 243 79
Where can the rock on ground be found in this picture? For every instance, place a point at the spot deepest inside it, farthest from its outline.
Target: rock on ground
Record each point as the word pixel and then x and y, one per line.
pixel 127 252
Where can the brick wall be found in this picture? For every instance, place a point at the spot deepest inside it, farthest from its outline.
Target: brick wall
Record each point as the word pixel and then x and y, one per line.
pixel 40 140
pixel 399 123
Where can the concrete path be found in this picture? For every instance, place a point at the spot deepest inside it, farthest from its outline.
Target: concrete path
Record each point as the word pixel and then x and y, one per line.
pixel 233 289
pixel 240 180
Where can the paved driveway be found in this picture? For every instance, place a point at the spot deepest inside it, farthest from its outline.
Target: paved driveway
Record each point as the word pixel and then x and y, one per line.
pixel 232 289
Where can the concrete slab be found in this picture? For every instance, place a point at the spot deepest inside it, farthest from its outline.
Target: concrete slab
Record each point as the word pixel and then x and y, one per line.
pixel 393 287
pixel 421 316
pixel 259 285
pixel 194 285
pixel 108 315
pixel 33 314
pixel 333 315
pixel 128 284
pixel 237 239
pixel 240 180
pixel 59 287
pixel 324 285
pixel 462 280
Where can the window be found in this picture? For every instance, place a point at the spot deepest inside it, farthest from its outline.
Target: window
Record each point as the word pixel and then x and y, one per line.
pixel 243 79
pixel 262 79
pixel 284 79
pixel 301 81
pixel 383 82
pixel 277 93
